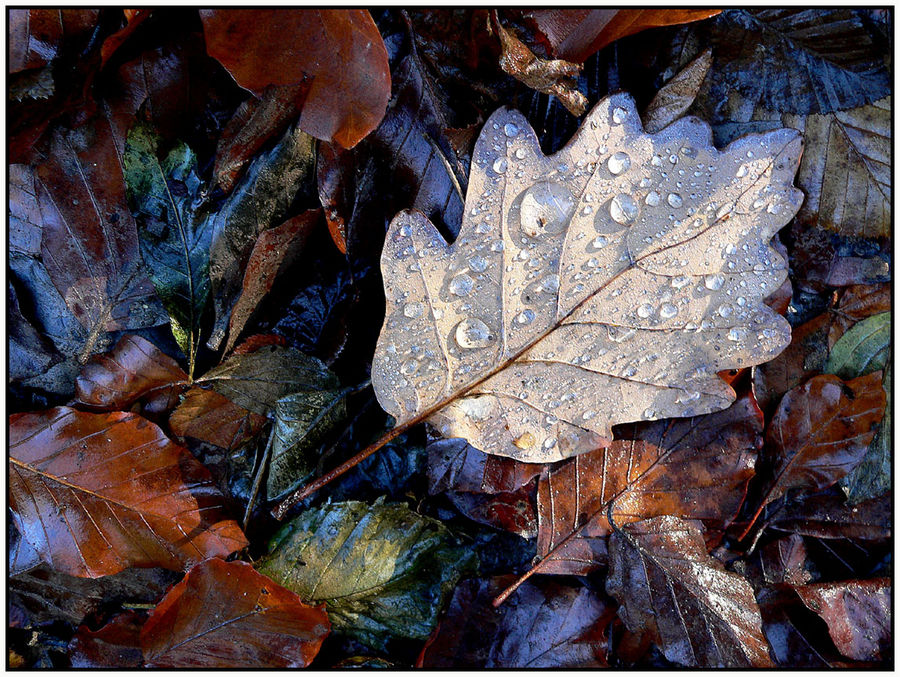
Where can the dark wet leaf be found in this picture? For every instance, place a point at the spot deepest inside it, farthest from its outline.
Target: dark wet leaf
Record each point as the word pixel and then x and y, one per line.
pixel 261 201
pixel 700 614
pixel 382 570
pixel 273 254
pixel 797 638
pixel 339 53
pixel 872 477
pixel 226 615
pixel 858 614
pixel 821 431
pixel 115 645
pixel 208 416
pixel 37 35
pixel 29 353
pixel 696 468
pixel 864 348
pixel 784 561
pixel 827 515
pixel 97 493
pixel 174 233
pixel 134 369
pixel 543 625
pixel 825 259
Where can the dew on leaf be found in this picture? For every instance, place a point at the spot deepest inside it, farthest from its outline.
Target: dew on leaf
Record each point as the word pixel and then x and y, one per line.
pixel 473 333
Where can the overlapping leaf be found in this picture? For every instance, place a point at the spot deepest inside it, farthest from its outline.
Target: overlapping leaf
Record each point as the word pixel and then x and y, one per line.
pixel 863 349
pixel 597 286
pixel 116 645
pixel 97 493
pixel 873 476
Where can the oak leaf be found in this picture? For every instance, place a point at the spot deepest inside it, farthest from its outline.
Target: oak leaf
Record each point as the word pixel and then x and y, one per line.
pixel 607 283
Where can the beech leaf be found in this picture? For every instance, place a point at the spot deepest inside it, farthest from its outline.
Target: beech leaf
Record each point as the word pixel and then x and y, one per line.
pixel 226 615
pixel 116 645
pixel 677 95
pixel 701 614
pixel 95 494
pixel 593 287
pixel 208 416
pixel 382 570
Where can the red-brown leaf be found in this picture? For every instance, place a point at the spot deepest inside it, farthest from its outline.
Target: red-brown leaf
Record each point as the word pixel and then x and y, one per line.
pixel 822 430
pixel 132 370
pixel 226 615
pixel 575 34
pixel 97 493
pixel 700 614
pixel 696 468
pixel 133 19
pixel 274 251
pixel 339 53
pixel 208 416
pixel 858 614
pixel 827 515
pixel 36 35
pixel 116 645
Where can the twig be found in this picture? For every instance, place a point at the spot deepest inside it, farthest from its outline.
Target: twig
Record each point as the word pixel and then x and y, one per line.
pixel 257 480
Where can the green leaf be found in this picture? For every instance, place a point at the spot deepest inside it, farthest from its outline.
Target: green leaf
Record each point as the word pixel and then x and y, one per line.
pixel 257 380
pixel 302 420
pixel 174 235
pixel 863 349
pixel 872 477
pixel 382 570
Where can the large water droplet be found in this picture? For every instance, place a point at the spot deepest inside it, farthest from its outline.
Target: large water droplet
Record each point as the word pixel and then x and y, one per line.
pixel 619 115
pixel 623 209
pixel 600 242
pixel 618 163
pixel 510 129
pixel 478 264
pixel 680 281
pixel 546 207
pixel 525 317
pixel 461 285
pixel 714 282
pixel 726 309
pixel 667 311
pixel 550 283
pixel 645 310
pixel 500 165
pixel 737 334
pixel 674 200
pixel 413 309
pixel 409 367
pixel 473 333
pixel 652 198
pixel 520 153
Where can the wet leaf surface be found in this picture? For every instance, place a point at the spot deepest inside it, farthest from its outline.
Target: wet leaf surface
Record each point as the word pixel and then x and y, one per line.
pixel 36 35
pixel 382 570
pixel 116 645
pixel 703 615
pixel 544 625
pixel 827 515
pixel 97 493
pixel 339 53
pixel 226 615
pixel 526 315
pixel 208 416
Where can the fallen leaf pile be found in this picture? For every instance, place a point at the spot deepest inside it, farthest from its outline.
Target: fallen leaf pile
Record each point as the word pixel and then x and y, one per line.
pixel 449 338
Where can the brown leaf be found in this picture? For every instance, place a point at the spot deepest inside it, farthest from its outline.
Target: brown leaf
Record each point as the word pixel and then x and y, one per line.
pixel 676 96
pixel 89 243
pixel 575 34
pixel 208 416
pixel 857 303
pixel 98 493
pixel 226 615
pixel 828 515
pixel 36 35
pixel 555 78
pixel 700 614
pixel 695 468
pixel 858 614
pixel 133 19
pixel 116 645
pixel 544 625
pixel 132 370
pixel 339 53
pixel 783 561
pixel 795 637
pixel 821 430
pixel 274 252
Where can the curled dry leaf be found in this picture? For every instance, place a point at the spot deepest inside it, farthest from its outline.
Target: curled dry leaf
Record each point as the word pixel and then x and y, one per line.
pixel 858 614
pixel 677 95
pixel 226 615
pixel 132 370
pixel 95 494
pixel 593 287
pixel 338 53
pixel 701 614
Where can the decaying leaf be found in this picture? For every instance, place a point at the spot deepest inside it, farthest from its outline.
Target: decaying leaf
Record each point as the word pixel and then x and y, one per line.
pixel 206 415
pixel 226 615
pixel 37 35
pixel 382 570
pixel 607 283
pixel 858 614
pixel 676 96
pixel 828 515
pixel 116 645
pixel 97 493
pixel 872 477
pixel 701 614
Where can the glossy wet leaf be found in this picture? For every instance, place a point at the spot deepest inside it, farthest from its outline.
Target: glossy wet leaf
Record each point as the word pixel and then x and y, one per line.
pixel 828 515
pixel 586 289
pixel 37 35
pixel 543 625
pixel 97 493
pixel 259 202
pixel 677 95
pixel 272 255
pixel 872 477
pixel 821 431
pixel 690 468
pixel 134 369
pixel 226 615
pixel 863 349
pixel 382 570
pixel 115 645
pixel 339 54
pixel 173 230
pixel 208 416
pixel 701 614
pixel 858 614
